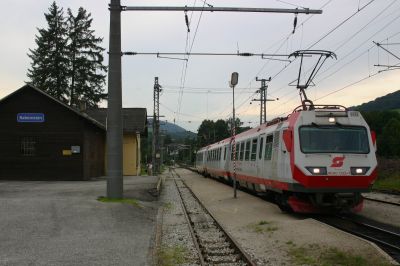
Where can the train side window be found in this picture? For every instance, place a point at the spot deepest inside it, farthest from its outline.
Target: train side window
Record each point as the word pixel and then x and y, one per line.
pixel 224 153
pixel 241 148
pixel 254 144
pixel 247 150
pixel 260 153
pixel 268 147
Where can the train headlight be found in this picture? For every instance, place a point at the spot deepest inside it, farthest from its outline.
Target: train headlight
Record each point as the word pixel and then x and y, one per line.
pixel 315 170
pixel 331 120
pixel 359 170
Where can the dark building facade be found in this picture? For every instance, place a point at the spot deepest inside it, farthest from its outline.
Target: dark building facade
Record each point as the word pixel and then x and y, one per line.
pixel 41 138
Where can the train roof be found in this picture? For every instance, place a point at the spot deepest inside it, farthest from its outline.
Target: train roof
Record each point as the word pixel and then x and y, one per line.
pixel 321 109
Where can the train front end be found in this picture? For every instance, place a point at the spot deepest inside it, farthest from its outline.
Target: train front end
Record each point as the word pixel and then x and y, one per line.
pixel 332 159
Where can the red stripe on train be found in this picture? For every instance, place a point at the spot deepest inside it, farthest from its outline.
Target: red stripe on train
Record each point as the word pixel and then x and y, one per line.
pixel 251 179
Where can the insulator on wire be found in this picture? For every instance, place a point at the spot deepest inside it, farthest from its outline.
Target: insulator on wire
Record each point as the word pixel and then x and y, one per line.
pixel 294 23
pixel 187 21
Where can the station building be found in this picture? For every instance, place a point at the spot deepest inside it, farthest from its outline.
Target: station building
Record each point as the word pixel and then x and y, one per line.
pixel 41 138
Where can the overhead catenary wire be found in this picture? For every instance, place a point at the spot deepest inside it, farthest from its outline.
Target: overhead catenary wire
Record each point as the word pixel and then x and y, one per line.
pixel 340 24
pixel 283 40
pixel 343 57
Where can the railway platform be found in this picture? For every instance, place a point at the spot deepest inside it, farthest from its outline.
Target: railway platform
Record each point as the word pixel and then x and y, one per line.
pixel 63 223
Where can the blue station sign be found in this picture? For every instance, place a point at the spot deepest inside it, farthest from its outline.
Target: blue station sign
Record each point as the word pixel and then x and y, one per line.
pixel 30 117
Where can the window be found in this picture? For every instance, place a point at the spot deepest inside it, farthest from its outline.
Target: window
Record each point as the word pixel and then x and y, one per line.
pixel 334 139
pixel 247 151
pixel 268 147
pixel 241 152
pixel 224 153
pixel 260 153
pixel 254 144
pixel 28 146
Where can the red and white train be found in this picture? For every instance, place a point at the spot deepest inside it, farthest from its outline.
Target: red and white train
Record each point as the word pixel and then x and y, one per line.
pixel 316 159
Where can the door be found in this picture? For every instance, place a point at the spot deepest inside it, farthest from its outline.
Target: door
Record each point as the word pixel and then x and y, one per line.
pixel 260 155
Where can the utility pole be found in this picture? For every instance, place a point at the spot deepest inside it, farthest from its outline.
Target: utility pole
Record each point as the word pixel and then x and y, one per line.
pixel 263 99
pixel 156 127
pixel 114 108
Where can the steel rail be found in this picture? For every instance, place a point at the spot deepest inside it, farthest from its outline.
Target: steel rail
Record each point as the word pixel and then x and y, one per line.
pixel 233 242
pixel 392 249
pixel 382 201
pixel 192 234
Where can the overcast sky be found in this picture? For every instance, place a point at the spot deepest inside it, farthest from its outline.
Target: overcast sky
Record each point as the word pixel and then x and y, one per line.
pixel 346 27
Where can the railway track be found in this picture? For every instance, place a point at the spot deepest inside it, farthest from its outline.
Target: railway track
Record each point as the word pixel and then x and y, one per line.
pixel 214 245
pixel 387 239
pixel 382 201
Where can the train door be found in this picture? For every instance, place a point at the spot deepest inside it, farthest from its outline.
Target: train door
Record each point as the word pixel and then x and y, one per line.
pixel 226 161
pixel 260 155
pixel 284 162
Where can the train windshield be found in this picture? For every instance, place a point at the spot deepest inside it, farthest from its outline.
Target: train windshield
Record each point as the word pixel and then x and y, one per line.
pixel 333 139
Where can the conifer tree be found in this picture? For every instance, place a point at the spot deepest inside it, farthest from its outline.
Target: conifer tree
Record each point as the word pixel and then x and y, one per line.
pixel 49 65
pixel 68 60
pixel 86 69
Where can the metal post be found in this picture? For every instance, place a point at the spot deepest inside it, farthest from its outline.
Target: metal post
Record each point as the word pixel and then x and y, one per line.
pixel 263 100
pixel 156 127
pixel 234 142
pixel 114 112
pixel 233 83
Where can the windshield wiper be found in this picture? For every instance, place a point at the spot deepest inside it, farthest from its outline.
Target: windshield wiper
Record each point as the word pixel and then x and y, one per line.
pixel 315 125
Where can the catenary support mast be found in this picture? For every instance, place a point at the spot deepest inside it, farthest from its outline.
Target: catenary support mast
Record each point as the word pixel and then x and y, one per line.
pixel 114 110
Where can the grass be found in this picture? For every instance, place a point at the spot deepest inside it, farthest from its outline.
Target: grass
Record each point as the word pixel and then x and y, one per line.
pixel 262 227
pixel 170 256
pixel 168 206
pixel 390 182
pixel 133 202
pixel 314 255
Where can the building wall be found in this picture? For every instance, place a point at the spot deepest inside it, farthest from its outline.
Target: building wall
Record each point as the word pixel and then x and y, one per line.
pixel 130 154
pixel 61 129
pixel 93 152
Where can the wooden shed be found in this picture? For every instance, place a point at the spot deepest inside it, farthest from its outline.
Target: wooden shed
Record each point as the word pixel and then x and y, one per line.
pixel 42 138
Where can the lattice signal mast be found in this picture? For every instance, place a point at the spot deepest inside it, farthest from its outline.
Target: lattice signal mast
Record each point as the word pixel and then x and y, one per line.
pixel 156 155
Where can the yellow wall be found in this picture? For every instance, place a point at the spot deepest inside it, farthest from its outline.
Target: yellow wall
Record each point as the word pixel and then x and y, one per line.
pixel 131 163
pixel 130 153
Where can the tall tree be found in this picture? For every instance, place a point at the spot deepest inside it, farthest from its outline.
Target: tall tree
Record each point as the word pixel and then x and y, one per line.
pixel 389 141
pixel 68 60
pixel 86 70
pixel 206 133
pixel 49 67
